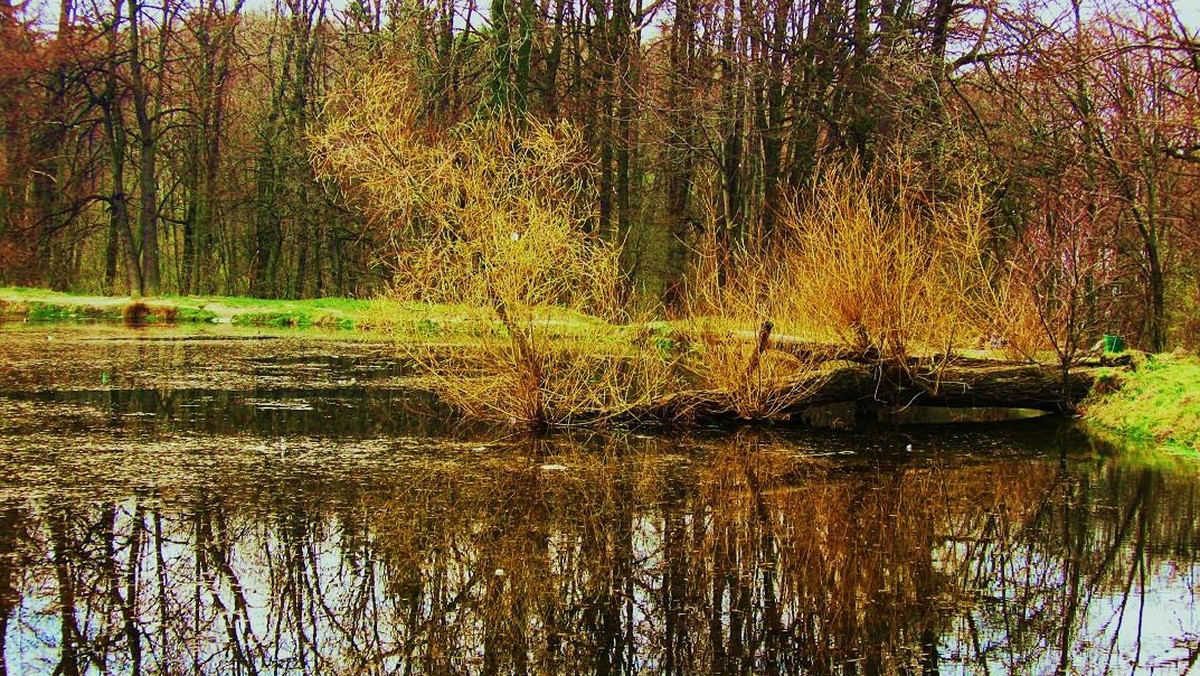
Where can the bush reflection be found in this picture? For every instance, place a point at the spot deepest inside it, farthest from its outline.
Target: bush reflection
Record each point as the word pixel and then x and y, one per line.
pixel 613 555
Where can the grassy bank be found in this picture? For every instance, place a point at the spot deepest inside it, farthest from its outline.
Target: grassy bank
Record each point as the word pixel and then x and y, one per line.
pixel 34 305
pixel 416 319
pixel 1158 400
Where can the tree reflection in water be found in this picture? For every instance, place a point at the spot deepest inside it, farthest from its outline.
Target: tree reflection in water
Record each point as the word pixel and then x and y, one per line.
pixel 642 555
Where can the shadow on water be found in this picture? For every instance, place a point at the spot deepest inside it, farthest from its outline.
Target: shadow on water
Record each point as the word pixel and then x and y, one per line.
pixel 301 537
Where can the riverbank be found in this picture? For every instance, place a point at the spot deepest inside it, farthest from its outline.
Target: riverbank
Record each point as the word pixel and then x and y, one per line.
pixel 1157 400
pixel 30 304
pixel 422 320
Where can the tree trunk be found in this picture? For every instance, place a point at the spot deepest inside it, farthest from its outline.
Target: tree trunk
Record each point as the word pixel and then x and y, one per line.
pixel 147 145
pixel 118 203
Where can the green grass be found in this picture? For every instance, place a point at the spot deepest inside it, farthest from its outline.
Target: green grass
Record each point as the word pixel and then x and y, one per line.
pixel 1158 400
pixel 44 311
pixel 410 320
pixel 44 305
pixel 25 292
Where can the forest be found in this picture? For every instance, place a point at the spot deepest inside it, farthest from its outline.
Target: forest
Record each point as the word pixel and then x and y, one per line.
pixel 704 151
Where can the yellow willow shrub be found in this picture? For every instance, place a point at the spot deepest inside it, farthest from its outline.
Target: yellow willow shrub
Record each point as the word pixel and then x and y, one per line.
pixel 1014 327
pixel 754 386
pixel 494 215
pixel 726 316
pixel 536 379
pixel 726 354
pixel 481 212
pixel 884 265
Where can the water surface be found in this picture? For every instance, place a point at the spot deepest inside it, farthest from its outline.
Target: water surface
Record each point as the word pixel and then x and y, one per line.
pixel 239 503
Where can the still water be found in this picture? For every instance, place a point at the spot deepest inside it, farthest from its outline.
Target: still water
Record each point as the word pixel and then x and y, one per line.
pixel 174 502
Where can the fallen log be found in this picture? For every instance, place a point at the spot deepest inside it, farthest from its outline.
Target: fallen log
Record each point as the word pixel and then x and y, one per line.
pixel 817 352
pixel 1028 386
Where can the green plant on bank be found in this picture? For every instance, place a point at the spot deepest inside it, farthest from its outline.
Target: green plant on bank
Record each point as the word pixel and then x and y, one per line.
pixel 275 319
pixel 1159 400
pixel 194 315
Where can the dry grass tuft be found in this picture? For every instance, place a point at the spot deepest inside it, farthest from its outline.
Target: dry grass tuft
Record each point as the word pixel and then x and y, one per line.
pixel 166 313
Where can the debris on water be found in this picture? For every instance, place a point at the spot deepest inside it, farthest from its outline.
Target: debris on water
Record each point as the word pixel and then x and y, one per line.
pixel 280 405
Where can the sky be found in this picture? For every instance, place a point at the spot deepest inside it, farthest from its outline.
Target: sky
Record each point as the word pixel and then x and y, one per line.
pixel 1189 11
pixel 47 10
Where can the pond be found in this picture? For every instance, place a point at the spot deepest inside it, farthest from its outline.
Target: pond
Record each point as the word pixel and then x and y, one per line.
pixel 220 502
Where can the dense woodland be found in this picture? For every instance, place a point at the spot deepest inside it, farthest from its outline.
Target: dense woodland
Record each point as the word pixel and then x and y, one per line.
pixel 166 147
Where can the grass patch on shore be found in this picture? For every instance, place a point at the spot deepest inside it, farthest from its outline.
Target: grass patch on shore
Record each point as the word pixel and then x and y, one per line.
pixel 44 305
pixel 404 320
pixel 1158 400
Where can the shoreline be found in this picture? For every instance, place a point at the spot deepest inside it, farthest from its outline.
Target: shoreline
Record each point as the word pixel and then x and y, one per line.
pixel 1156 399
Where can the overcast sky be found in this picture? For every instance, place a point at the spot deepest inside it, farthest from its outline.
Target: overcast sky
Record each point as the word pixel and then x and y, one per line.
pixel 47 10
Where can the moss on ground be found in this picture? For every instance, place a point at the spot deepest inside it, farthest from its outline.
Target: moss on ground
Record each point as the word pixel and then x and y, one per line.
pixel 1158 400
